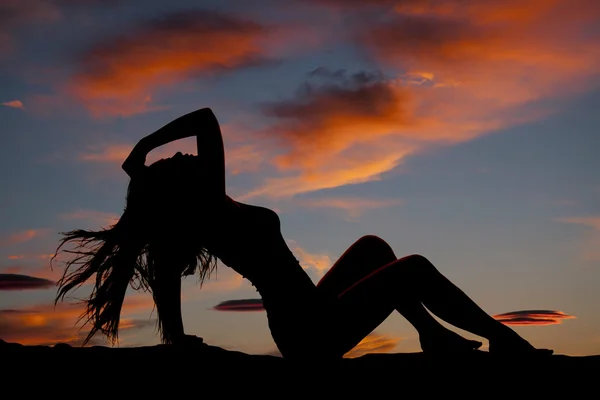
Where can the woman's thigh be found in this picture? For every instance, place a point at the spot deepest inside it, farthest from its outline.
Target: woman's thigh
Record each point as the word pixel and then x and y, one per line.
pixel 361 308
pixel 366 255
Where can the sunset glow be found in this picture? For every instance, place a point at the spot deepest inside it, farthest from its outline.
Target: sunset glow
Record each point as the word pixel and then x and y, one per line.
pixel 462 130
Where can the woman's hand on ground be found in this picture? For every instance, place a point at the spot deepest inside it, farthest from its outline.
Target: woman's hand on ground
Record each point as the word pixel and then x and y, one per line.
pixel 190 340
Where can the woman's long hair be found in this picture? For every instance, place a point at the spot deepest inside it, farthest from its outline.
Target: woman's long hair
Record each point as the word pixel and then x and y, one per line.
pixel 159 224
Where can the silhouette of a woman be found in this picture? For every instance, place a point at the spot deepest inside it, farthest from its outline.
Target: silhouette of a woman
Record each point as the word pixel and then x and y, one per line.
pixel 178 220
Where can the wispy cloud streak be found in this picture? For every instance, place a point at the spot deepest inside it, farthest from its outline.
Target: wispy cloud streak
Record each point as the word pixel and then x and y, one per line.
pixel 373 343
pixel 13 104
pixel 21 237
pixel 243 305
pixel 533 317
pixel 23 282
pixel 589 247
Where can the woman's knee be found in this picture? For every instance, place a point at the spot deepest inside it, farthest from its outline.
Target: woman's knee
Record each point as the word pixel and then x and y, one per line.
pixel 375 245
pixel 416 263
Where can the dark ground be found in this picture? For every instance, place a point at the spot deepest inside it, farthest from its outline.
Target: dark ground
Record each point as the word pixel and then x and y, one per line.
pixel 160 367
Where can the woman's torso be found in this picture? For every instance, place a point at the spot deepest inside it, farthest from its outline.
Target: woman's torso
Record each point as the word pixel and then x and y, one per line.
pixel 251 243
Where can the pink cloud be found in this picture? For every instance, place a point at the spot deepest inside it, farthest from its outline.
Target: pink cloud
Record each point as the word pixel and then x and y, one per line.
pixel 93 216
pixel 533 317
pixel 244 305
pixel 21 237
pixel 13 104
pixel 23 282
pixel 353 206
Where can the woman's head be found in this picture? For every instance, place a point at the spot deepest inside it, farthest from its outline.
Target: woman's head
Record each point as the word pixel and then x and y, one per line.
pixel 159 229
pixel 167 196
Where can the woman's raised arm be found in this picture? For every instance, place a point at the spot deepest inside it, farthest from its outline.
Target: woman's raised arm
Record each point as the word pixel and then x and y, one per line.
pixel 200 123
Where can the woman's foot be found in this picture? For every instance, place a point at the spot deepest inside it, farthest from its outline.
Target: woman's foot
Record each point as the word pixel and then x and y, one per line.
pixel 513 344
pixel 445 341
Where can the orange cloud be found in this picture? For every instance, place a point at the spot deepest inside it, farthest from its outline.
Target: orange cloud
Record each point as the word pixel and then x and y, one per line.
pixel 317 262
pixel 223 280
pixel 590 245
pixel 115 153
pixel 13 104
pixel 533 317
pixel 243 305
pixel 353 206
pixel 44 271
pixel 354 4
pixel 47 325
pixel 327 119
pixel 591 222
pixel 96 217
pixel 501 55
pixel 21 237
pixel 45 256
pixel 242 157
pixel 121 75
pixel 456 70
pixel 373 343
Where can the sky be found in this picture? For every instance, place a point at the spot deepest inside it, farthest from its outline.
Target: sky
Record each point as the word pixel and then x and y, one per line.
pixel 462 130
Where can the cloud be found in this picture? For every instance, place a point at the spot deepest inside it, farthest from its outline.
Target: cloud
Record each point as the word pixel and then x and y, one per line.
pixel 354 4
pixel 591 222
pixel 373 343
pixel 502 54
pixel 93 216
pixel 45 324
pixel 40 271
pixel 314 262
pixel 223 280
pixel 33 264
pixel 21 237
pixel 121 75
pixel 590 245
pixel 455 70
pixel 23 282
pixel 240 305
pixel 353 206
pixel 328 118
pixel 246 158
pixel 115 153
pixel 45 256
pixel 533 317
pixel 13 104
pixel 243 157
pixel 15 14
pixel 337 130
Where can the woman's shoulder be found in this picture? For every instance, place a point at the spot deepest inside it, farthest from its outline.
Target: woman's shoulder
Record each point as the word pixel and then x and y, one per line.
pixel 258 212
